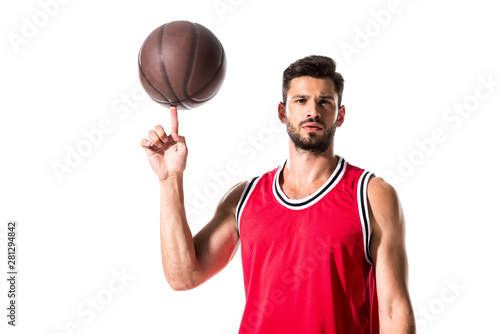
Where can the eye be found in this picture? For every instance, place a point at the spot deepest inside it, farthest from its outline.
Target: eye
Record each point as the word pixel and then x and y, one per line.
pixel 325 102
pixel 300 101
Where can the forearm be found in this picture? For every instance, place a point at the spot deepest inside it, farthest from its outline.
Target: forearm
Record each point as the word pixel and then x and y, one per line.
pixel 177 246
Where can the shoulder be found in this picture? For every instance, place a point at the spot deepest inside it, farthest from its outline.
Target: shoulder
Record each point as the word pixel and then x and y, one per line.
pixel 384 205
pixel 379 189
pixel 237 193
pixel 230 200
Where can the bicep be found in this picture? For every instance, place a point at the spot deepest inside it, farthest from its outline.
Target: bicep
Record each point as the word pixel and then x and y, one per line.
pixel 217 242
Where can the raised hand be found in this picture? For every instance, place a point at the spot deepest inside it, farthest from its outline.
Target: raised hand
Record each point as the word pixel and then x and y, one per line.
pixel 167 154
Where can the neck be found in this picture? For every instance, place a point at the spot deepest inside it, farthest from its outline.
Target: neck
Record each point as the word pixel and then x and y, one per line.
pixel 303 167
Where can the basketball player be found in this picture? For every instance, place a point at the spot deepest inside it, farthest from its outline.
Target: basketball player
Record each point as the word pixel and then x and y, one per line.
pixel 322 241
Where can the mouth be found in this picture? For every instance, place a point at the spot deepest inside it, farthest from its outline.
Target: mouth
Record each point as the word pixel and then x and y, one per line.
pixel 312 127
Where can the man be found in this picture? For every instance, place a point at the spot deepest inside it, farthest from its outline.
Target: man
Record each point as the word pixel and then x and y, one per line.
pixel 322 241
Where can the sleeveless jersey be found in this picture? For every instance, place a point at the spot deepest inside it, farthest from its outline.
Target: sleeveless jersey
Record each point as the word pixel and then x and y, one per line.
pixel 306 263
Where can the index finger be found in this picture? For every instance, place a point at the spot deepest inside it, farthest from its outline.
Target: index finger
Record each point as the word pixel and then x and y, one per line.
pixel 174 122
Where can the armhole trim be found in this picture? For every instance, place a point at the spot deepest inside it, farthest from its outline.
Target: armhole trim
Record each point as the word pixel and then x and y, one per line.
pixel 249 187
pixel 364 213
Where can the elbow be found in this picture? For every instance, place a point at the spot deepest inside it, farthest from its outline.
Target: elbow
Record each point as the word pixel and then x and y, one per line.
pixel 180 286
pixel 398 319
pixel 180 283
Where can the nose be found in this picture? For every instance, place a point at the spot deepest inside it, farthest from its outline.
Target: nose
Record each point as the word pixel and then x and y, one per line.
pixel 313 111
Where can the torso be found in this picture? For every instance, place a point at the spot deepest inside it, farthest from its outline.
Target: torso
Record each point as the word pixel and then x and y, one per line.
pixel 304 254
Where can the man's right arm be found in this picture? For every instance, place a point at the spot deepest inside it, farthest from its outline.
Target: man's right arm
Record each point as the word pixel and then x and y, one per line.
pixel 187 261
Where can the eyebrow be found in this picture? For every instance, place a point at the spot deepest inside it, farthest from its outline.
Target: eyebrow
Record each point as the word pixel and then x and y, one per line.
pixel 327 97
pixel 300 96
pixel 324 97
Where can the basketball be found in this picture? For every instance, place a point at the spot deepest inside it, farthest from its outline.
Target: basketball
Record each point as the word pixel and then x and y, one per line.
pixel 182 64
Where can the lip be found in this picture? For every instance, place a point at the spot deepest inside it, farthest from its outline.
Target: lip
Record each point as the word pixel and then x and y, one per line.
pixel 312 126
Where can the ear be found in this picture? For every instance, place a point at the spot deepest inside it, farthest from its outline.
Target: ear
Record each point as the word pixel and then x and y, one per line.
pixel 341 115
pixel 282 112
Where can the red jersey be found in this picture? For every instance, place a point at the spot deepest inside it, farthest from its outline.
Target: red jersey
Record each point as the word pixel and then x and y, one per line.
pixel 306 263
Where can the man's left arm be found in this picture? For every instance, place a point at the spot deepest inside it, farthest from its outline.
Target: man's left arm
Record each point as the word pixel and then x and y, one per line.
pixel 389 258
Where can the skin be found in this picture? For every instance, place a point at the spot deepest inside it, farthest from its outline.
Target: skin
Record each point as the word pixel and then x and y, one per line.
pixel 310 112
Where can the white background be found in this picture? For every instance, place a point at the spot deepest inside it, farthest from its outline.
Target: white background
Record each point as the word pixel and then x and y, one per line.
pixel 79 66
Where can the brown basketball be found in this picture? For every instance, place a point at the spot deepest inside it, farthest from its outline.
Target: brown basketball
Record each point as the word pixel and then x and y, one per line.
pixel 182 63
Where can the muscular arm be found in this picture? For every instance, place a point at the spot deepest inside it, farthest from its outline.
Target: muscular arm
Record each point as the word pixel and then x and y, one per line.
pixel 389 258
pixel 187 261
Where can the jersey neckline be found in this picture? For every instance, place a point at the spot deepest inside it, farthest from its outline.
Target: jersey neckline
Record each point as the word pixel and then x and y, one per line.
pixel 298 204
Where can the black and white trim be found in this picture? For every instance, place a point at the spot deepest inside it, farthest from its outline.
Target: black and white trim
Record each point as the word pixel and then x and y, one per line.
pixel 363 212
pixel 316 196
pixel 249 187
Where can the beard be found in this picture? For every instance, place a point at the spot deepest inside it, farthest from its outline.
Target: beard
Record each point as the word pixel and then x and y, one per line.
pixel 315 144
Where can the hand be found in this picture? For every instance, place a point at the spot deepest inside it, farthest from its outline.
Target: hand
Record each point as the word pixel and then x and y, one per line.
pixel 167 154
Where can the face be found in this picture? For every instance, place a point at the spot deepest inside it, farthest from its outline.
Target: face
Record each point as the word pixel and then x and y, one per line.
pixel 311 113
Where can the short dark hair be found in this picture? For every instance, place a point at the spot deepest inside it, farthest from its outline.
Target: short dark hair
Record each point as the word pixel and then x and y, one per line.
pixel 316 67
